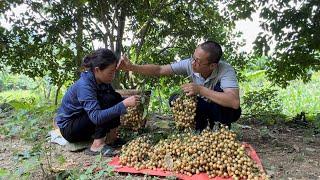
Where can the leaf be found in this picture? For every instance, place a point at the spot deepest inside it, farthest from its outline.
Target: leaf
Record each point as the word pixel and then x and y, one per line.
pixel 145 113
pixel 4 172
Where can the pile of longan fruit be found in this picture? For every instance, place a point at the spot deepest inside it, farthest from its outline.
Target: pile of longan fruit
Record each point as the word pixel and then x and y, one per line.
pixel 215 153
pixel 184 111
pixel 133 119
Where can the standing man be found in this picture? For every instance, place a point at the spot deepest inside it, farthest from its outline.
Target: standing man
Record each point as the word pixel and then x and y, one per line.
pixel 213 81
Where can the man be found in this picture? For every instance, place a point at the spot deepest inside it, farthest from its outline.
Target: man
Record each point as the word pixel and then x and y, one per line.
pixel 213 81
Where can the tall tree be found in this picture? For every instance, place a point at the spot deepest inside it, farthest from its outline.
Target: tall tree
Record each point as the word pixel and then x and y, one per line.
pixel 294 28
pixel 51 37
pixel 46 39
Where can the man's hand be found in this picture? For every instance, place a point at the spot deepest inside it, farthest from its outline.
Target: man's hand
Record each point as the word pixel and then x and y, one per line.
pixel 124 64
pixel 191 89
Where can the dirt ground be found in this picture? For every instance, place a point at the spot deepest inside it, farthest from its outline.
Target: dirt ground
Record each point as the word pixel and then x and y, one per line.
pixel 286 152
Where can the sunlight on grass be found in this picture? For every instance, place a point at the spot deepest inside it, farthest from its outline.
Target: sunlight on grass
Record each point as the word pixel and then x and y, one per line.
pixel 296 98
pixel 300 97
pixel 18 95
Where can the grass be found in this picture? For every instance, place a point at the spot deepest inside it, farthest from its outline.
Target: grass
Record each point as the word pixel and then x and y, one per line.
pixel 18 95
pixel 300 97
pixel 296 98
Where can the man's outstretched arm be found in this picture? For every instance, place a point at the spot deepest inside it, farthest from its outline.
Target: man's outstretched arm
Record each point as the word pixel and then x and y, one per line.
pixel 147 69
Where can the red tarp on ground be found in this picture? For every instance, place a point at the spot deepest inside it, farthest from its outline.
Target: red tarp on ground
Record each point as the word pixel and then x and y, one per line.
pixel 115 162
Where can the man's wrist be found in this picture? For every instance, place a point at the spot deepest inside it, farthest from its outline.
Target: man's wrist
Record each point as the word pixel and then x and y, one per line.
pixel 133 67
pixel 201 89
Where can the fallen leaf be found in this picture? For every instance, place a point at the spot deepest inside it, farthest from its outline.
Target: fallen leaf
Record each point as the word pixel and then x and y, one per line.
pixel 86 164
pixel 310 149
pixel 296 148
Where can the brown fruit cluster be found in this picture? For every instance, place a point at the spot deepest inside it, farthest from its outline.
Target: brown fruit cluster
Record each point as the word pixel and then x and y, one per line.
pixel 214 153
pixel 135 153
pixel 133 119
pixel 184 111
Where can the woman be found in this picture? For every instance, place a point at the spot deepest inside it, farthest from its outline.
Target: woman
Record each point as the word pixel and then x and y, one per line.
pixel 91 107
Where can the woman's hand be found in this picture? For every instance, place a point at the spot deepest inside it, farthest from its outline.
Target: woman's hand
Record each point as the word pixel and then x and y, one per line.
pixel 131 101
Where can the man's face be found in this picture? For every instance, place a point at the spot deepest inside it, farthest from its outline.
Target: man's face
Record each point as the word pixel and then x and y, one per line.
pixel 200 62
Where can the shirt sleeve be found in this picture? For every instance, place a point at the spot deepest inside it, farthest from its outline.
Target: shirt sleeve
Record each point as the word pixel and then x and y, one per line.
pixel 87 97
pixel 229 79
pixel 181 67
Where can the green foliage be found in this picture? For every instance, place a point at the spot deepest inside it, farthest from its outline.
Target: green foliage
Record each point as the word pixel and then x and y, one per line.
pixel 264 132
pixel 61 159
pixel 176 29
pixel 28 121
pixel 13 86
pixel 52 36
pixel 41 41
pixel 262 102
pixel 26 167
pixel 3 173
pixel 98 170
pixel 23 96
pixel 257 63
pixel 31 121
pixel 316 121
pixel 296 98
pixel 160 98
pixel 162 89
pixel 301 97
pixel 15 82
pixel 27 161
pixel 294 26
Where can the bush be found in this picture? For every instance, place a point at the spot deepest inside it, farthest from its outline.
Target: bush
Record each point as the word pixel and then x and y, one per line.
pixel 15 82
pixel 262 104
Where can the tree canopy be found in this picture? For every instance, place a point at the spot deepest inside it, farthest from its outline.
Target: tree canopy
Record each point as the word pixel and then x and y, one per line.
pixel 51 37
pixel 294 27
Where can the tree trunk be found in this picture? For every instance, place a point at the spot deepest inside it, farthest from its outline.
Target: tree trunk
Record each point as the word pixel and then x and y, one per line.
pixel 118 50
pixel 57 94
pixel 49 93
pixel 79 39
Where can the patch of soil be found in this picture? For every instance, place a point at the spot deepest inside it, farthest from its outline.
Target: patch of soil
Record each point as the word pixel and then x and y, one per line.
pixel 286 152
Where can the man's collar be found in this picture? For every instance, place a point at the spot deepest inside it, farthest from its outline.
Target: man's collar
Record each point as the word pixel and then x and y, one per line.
pixel 212 75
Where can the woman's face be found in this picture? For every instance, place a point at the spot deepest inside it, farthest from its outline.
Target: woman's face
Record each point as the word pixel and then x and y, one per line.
pixel 106 75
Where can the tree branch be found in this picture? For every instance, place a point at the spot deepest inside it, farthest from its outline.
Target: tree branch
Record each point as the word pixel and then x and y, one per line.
pixel 105 24
pixel 144 30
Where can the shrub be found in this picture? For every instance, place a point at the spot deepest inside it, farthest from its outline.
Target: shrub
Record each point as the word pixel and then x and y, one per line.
pixel 262 104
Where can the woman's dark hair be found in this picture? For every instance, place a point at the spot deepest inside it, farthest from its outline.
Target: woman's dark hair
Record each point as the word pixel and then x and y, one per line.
pixel 101 58
pixel 214 49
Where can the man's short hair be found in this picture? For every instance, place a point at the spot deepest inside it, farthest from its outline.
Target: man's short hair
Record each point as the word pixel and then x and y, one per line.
pixel 214 49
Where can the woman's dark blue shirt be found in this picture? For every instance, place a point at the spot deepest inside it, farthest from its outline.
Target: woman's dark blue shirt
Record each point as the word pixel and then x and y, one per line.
pixel 82 97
